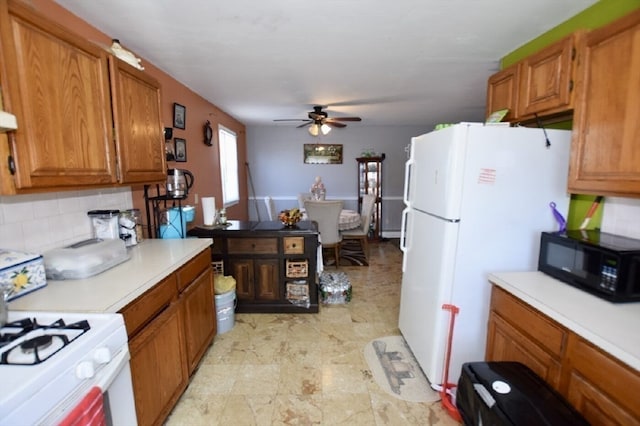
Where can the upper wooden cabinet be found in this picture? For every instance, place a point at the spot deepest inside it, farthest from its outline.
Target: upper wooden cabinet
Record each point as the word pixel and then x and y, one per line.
pixel 138 123
pixel 547 78
pixel 605 156
pixel 66 93
pixel 502 92
pixel 540 84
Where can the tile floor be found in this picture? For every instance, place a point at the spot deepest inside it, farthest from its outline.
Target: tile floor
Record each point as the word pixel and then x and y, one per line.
pixel 307 369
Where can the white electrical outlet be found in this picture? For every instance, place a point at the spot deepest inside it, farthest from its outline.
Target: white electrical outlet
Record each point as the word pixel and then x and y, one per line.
pixel 196 198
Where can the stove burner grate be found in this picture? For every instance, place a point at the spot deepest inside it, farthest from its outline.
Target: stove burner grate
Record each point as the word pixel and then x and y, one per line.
pixel 35 349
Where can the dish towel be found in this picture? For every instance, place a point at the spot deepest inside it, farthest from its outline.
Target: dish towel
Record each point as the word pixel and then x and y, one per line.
pixel 89 412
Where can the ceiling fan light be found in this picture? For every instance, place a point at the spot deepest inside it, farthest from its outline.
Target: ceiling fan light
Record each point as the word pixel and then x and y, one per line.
pixel 314 129
pixel 325 129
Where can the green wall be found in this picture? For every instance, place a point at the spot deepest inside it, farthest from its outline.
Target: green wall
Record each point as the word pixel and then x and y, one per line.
pixel 599 14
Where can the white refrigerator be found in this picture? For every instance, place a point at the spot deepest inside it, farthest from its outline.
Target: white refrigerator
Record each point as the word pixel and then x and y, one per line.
pixel 477 198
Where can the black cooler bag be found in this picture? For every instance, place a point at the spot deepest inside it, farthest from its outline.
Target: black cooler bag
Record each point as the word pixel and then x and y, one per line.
pixel 510 393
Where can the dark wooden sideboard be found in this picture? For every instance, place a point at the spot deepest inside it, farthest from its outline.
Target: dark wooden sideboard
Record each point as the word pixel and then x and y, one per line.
pixel 274 266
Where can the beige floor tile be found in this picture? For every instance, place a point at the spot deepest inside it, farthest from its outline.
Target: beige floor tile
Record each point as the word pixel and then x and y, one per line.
pixel 298 410
pixel 307 369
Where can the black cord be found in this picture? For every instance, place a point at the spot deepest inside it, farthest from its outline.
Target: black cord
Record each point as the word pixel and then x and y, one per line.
pixel 546 137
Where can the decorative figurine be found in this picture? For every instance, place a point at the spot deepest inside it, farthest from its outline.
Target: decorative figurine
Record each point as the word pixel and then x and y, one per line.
pixel 318 190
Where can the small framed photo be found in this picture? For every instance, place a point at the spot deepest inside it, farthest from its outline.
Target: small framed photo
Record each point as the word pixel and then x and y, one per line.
pixel 179 116
pixel 180 150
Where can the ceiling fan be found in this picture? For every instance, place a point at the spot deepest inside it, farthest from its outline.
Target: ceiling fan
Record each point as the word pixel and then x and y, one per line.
pixel 320 122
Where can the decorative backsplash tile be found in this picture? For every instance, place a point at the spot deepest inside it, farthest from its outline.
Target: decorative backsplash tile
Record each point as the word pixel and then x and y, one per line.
pixel 40 222
pixel 621 216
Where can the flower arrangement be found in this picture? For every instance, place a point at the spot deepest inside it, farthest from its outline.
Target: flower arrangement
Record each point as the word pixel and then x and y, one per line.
pixel 290 217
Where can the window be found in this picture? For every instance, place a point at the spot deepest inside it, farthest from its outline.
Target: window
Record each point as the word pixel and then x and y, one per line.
pixel 228 166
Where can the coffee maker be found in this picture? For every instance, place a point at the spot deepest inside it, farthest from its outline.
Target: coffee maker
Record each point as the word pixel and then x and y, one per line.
pixel 179 181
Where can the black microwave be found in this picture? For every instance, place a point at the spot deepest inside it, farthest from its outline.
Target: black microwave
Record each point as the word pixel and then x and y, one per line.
pixel 600 263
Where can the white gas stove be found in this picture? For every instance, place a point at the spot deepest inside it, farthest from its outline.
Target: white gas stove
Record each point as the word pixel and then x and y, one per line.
pixel 50 361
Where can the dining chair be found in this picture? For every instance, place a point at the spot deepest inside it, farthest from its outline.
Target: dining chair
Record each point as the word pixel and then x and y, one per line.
pixel 302 197
pixel 271 207
pixel 362 233
pixel 327 215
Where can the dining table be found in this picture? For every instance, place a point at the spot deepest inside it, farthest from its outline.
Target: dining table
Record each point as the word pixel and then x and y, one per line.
pixel 349 219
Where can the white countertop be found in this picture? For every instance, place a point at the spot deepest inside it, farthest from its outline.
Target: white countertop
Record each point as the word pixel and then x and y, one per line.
pixel 609 326
pixel 150 262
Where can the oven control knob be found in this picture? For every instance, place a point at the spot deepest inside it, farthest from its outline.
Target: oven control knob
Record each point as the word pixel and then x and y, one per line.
pixel 85 370
pixel 102 355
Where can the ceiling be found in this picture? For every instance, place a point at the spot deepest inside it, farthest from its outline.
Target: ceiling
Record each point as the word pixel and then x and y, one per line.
pixel 402 62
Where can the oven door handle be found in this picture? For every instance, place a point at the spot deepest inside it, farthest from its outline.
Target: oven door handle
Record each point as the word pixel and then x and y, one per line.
pixel 111 371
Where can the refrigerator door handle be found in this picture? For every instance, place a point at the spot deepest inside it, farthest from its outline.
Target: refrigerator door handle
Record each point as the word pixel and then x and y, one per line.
pixel 403 237
pixel 407 175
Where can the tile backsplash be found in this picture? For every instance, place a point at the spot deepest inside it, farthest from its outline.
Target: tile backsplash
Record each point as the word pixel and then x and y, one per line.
pixel 622 216
pixel 40 222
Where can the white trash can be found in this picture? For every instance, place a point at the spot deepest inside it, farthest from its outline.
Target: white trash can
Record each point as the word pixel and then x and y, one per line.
pixel 225 311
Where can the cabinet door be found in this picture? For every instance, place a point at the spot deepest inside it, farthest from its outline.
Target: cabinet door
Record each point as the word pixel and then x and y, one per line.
pixel 57 84
pixel 506 343
pixel 256 279
pixel 242 271
pixel 546 79
pixel 158 367
pixel 502 92
pixel 604 390
pixel 138 123
pixel 605 158
pixel 199 317
pixel 267 280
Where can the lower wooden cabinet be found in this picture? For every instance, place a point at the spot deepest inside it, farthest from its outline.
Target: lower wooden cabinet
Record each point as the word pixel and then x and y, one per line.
pixel 509 342
pixel 602 388
pixel 158 368
pixel 199 317
pixel 170 328
pixel 599 386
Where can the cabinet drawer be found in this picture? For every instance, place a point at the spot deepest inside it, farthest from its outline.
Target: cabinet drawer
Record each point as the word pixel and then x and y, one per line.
pixel 189 272
pixel 146 307
pixel 252 245
pixel 529 322
pixel 293 245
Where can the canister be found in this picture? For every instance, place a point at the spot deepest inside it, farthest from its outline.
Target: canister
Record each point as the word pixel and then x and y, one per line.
pixel 105 223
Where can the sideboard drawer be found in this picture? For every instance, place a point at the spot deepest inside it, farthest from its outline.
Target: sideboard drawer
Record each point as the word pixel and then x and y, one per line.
pixel 293 245
pixel 252 245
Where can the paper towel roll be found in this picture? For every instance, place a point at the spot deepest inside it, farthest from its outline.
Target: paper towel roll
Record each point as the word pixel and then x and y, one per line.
pixel 209 210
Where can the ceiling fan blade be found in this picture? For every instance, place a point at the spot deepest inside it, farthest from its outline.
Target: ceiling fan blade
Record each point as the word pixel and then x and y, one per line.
pixel 291 119
pixel 345 119
pixel 335 124
pixel 305 124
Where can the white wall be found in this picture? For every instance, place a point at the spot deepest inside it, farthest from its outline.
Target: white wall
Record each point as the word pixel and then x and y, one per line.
pixel 275 156
pixel 39 222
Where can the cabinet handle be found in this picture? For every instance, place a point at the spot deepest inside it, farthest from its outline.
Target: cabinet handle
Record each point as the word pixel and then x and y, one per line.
pixel 12 165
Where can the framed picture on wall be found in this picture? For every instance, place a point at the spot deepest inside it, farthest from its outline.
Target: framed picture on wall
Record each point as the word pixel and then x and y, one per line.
pixel 180 150
pixel 318 153
pixel 179 116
